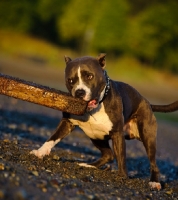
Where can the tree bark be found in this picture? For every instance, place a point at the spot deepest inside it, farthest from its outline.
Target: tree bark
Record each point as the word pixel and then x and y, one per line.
pixel 42 95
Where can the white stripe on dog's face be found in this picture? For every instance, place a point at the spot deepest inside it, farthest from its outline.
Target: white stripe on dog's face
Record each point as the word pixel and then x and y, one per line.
pixel 81 85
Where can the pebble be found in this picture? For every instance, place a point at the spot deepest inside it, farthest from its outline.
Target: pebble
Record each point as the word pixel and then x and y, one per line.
pixel 169 192
pixel 6 175
pixel 20 194
pixel 44 189
pixel 12 126
pixel 6 140
pixel 2 166
pixel 2 194
pixel 42 184
pixel 48 170
pixel 32 167
pixel 54 183
pixel 15 141
pixel 35 173
pixel 42 168
pixel 55 157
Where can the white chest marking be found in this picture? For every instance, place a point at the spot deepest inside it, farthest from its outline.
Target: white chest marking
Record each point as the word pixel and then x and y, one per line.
pixel 96 124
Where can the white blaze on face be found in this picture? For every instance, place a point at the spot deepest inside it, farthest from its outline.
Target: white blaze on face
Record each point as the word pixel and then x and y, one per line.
pixel 81 85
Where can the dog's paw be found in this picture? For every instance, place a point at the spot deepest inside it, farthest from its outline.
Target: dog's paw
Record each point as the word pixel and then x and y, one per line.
pixel 155 185
pixel 86 165
pixel 43 150
pixel 122 177
pixel 40 153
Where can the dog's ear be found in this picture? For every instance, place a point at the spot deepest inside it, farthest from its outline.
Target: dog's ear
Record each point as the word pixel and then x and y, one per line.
pixel 67 59
pixel 101 59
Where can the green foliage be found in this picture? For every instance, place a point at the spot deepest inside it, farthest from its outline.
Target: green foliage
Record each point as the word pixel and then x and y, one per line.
pixel 145 30
pixel 17 15
pixel 153 35
pixel 94 23
pixel 47 13
pixel 111 26
pixel 48 9
pixel 77 22
pixel 75 18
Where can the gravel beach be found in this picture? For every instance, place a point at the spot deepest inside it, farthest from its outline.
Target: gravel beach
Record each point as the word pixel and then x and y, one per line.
pixel 25 126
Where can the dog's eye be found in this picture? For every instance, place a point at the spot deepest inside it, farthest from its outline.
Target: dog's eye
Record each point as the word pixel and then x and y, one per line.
pixel 89 76
pixel 70 81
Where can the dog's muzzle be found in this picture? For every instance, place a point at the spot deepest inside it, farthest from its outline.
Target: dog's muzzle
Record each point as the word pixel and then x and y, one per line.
pixel 80 93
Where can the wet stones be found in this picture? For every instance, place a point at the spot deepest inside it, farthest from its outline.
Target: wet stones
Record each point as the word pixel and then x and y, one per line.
pixel 35 173
pixel 56 157
pixel 1 166
pixel 58 176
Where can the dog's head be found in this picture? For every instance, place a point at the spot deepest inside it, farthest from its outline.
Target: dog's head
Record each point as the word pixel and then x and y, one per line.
pixel 85 78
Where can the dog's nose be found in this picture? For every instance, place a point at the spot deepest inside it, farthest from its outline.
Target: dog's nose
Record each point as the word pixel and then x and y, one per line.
pixel 80 93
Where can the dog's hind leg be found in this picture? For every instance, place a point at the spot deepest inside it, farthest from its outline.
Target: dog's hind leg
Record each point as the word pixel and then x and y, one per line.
pixel 106 152
pixel 148 132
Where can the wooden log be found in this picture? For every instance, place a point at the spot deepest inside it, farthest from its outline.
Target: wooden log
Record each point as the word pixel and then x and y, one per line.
pixel 42 95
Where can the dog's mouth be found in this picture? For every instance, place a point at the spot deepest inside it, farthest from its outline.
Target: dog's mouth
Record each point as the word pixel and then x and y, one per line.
pixel 92 104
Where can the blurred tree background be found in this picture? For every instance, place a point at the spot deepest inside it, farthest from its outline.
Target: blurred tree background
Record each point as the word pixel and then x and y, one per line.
pixel 145 30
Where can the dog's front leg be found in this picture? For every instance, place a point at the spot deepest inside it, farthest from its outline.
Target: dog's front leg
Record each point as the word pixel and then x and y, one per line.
pixel 63 129
pixel 119 149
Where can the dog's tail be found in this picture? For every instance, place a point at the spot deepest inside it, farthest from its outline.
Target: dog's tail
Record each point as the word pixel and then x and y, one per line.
pixel 165 108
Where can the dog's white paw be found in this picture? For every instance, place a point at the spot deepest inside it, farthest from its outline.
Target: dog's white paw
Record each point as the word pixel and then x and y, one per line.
pixel 155 185
pixel 43 150
pixel 86 165
pixel 40 153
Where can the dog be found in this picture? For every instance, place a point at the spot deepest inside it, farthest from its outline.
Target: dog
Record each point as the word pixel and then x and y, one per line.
pixel 115 111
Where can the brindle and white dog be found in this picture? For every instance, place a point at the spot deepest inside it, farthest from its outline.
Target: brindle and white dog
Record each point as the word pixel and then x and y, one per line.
pixel 114 108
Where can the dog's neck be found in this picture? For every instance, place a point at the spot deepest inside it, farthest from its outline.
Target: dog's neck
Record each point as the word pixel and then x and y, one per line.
pixel 106 89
